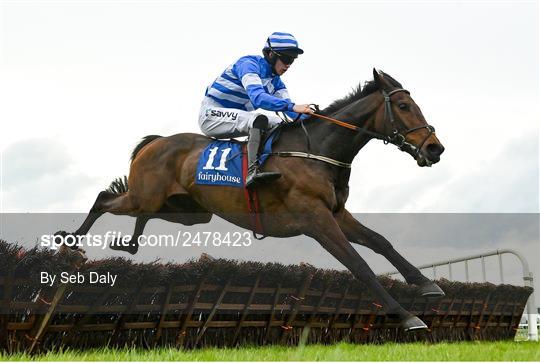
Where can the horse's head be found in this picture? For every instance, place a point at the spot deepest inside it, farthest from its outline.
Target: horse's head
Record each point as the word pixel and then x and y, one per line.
pixel 400 120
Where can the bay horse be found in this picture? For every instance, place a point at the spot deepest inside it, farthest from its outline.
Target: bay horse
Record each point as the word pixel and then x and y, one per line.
pixel 309 199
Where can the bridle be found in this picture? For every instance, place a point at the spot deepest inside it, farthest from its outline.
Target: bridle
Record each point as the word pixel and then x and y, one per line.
pixel 399 138
pixel 398 135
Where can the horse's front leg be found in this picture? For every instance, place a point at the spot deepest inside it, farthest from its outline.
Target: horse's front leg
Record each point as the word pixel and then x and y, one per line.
pixel 360 234
pixel 324 228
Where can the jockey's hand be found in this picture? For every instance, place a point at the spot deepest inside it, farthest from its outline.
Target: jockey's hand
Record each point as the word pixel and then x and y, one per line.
pixel 302 109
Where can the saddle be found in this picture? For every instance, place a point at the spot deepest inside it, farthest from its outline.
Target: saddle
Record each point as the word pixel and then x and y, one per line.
pixel 224 162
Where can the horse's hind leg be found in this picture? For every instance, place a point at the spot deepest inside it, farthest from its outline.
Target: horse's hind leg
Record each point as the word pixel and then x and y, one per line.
pixel 133 246
pixel 360 234
pixel 106 201
pixel 177 209
pixel 96 211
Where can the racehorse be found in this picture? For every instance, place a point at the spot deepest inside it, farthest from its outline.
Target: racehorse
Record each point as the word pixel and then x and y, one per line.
pixel 309 199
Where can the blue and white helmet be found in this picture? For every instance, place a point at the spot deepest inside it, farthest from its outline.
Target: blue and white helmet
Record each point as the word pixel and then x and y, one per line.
pixel 279 41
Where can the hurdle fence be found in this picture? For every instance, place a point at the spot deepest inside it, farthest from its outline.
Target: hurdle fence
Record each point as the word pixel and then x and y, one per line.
pixel 206 302
pixel 527 275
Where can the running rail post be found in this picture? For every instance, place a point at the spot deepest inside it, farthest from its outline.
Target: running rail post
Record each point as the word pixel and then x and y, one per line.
pixel 532 314
pixel 528 281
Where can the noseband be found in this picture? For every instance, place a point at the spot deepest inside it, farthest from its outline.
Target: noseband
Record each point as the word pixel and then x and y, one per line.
pixel 400 131
pixel 397 137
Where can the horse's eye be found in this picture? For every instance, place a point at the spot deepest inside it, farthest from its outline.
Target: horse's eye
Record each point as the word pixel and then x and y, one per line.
pixel 403 106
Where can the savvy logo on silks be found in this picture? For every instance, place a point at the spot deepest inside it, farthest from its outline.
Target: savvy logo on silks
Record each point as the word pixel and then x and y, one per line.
pixel 217 113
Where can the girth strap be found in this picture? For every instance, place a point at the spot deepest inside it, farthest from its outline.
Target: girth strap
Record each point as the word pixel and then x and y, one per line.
pixel 252 201
pixel 300 154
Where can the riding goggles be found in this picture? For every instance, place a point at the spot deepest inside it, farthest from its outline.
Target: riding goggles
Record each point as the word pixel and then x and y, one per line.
pixel 287 59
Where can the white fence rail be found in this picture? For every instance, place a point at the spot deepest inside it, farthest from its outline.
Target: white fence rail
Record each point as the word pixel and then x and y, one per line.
pixel 527 278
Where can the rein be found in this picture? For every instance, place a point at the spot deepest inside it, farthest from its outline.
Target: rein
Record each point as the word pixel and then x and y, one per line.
pixel 395 138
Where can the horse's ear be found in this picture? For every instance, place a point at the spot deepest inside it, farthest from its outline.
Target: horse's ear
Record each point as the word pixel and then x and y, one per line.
pixel 377 78
pixel 381 82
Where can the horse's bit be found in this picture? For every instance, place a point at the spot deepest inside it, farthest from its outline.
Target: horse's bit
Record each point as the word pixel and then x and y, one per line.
pixel 399 138
pixel 396 138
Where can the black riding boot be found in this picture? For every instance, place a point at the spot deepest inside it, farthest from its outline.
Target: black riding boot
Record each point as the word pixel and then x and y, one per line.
pixel 254 176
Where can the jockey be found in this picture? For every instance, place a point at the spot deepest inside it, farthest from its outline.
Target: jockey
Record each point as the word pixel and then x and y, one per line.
pixel 253 82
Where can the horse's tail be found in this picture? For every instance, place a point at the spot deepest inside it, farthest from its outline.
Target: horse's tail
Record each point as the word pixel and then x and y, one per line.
pixel 118 186
pixel 145 141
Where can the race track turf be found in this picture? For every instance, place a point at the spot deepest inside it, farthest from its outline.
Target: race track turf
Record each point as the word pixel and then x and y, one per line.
pixel 464 351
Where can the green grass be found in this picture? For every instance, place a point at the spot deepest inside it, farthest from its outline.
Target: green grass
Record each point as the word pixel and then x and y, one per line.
pixel 463 351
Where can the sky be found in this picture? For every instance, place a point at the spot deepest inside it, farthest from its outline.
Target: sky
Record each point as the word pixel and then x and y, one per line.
pixel 81 82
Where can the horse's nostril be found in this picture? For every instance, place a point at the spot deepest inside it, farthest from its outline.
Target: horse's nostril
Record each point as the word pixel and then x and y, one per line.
pixel 435 149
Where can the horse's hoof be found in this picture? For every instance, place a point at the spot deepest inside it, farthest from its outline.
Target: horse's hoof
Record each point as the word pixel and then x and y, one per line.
pixel 430 290
pixel 75 257
pixel 61 234
pixel 117 245
pixel 413 323
pixel 80 259
pixel 59 243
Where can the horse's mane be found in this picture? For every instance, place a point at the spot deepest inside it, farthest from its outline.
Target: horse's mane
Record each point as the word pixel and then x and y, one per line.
pixel 358 93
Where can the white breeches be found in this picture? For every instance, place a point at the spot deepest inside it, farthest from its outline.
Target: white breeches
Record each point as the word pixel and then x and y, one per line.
pixel 223 123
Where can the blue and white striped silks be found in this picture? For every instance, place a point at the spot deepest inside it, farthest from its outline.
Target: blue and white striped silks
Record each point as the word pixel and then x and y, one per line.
pixel 249 84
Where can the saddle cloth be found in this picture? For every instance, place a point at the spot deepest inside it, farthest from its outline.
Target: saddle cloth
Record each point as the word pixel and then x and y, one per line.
pixel 221 162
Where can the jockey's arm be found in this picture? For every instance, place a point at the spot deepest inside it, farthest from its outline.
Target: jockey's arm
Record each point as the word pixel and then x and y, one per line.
pixel 247 72
pixel 260 98
pixel 284 94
